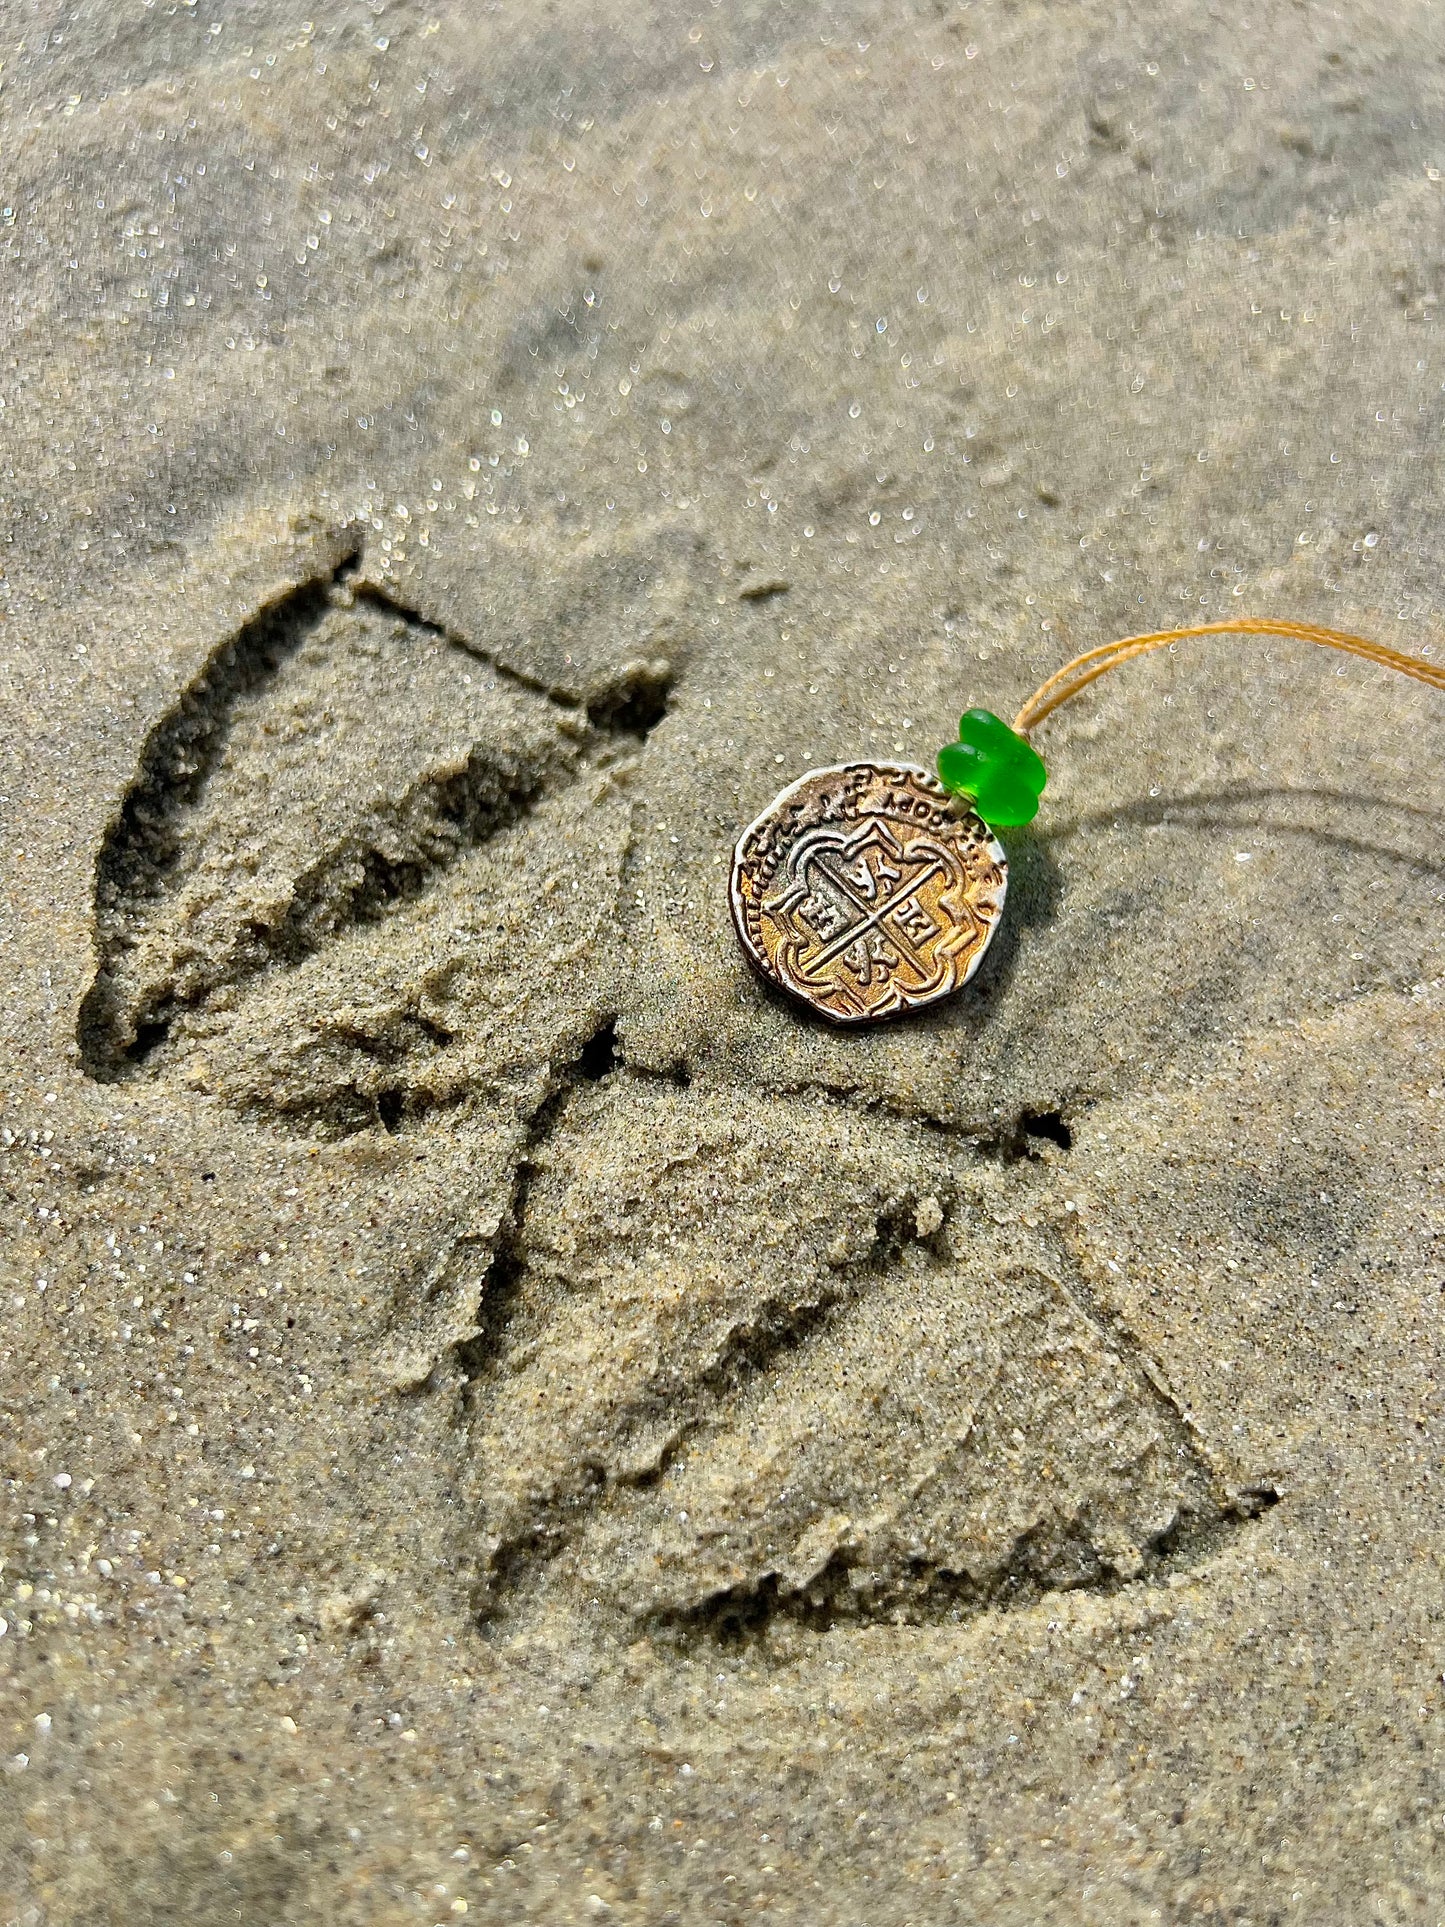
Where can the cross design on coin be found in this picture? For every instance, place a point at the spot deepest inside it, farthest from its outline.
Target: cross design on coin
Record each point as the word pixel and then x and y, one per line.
pixel 865 891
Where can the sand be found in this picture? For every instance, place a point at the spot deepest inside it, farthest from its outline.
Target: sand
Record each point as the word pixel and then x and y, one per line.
pixel 501 1416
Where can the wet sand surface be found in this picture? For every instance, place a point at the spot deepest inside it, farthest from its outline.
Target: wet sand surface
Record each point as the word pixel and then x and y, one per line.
pixel 501 1416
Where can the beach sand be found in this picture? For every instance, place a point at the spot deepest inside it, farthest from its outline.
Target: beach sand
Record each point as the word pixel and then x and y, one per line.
pixel 501 1415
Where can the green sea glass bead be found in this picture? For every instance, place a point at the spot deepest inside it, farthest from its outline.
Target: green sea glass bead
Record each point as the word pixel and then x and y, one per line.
pixel 1001 774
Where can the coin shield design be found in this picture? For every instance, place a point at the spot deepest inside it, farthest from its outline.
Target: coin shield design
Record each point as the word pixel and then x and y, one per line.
pixel 866 891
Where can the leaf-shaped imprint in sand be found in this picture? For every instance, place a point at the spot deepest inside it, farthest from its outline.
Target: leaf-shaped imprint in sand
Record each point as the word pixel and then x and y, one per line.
pixel 713 1387
pixel 319 899
pixel 725 1358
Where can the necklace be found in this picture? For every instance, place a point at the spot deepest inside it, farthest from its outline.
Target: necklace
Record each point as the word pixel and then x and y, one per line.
pixel 866 890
